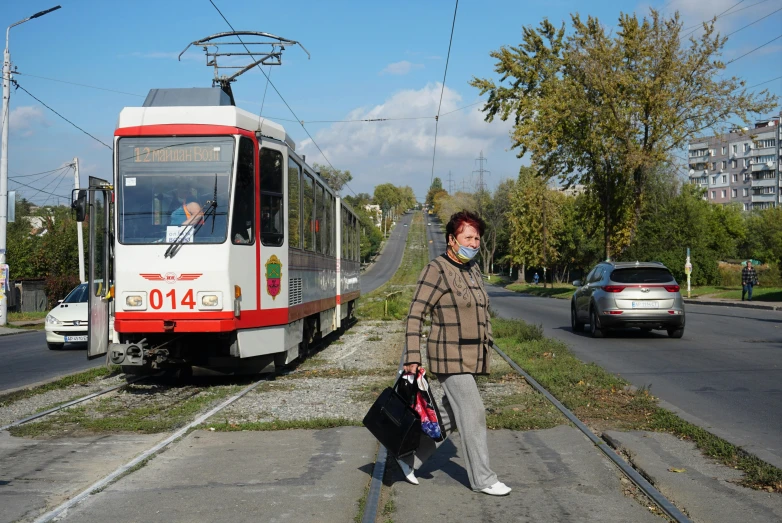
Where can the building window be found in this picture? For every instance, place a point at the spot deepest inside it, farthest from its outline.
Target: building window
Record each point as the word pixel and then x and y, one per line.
pixel 724 165
pixel 735 148
pixel 733 193
pixel 713 180
pixel 724 178
pixel 713 166
pixel 713 194
pixel 746 206
pixel 733 164
pixel 746 162
pixel 735 177
pixel 746 191
pixel 771 142
pixel 724 149
pixel 747 176
pixel 724 193
pixel 746 147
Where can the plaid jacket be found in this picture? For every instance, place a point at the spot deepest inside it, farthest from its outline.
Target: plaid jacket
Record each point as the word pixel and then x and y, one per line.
pixel 749 276
pixel 461 337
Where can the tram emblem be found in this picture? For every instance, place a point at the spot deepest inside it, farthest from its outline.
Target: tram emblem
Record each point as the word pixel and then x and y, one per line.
pixel 273 276
pixel 171 277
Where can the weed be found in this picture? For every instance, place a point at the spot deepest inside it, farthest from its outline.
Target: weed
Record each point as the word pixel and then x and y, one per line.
pixel 75 379
pixel 307 424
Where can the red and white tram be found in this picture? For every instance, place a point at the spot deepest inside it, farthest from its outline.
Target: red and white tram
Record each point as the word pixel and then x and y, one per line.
pixel 224 248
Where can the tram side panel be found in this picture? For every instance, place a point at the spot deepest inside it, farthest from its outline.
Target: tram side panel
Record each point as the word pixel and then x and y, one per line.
pixel 349 264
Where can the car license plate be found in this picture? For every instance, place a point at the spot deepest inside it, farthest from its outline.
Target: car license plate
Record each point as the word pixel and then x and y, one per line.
pixel 71 339
pixel 644 305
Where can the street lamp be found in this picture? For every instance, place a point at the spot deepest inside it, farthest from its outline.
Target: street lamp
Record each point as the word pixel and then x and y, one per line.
pixel 4 272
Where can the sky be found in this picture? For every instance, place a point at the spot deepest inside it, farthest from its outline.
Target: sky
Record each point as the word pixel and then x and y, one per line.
pixel 369 60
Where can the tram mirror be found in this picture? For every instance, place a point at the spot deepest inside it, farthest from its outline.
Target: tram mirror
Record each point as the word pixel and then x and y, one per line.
pixel 79 204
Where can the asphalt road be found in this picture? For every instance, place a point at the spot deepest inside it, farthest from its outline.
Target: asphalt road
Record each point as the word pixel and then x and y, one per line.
pixel 388 262
pixel 27 360
pixel 724 375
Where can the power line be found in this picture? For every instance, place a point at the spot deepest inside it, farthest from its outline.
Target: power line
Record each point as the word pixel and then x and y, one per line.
pixel 755 49
pixel 39 190
pixel 445 73
pixel 36 174
pixel 80 85
pixel 62 177
pixel 753 23
pixel 721 15
pixel 61 116
pixel 460 108
pixel 278 92
pixel 762 83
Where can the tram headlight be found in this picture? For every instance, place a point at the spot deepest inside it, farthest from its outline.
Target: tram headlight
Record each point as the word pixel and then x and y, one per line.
pixel 135 301
pixel 209 300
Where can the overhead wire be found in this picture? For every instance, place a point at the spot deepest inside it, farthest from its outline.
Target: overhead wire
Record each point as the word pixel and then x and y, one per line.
pixel 61 116
pixel 36 174
pixel 80 85
pixel 36 189
pixel 62 177
pixel 762 83
pixel 755 49
pixel 279 94
pixel 442 90
pixel 753 23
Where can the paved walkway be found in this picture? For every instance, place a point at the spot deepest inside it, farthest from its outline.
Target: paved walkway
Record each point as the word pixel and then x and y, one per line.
pixel 708 300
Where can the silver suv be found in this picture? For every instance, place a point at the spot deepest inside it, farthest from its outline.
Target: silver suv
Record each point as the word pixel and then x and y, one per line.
pixel 628 294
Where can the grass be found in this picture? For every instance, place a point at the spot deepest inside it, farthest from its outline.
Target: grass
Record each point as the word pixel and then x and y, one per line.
pixel 759 293
pixel 27 316
pixel 308 424
pixel 558 290
pixel 391 301
pixel 74 379
pixel 498 279
pixel 148 419
pixel 605 401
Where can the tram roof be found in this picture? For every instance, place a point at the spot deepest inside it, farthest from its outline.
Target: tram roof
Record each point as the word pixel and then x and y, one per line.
pixel 227 115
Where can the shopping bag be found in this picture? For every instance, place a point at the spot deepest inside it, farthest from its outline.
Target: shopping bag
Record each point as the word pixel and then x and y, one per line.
pixel 426 407
pixel 393 420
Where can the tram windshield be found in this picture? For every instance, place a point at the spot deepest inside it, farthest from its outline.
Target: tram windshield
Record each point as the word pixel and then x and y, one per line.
pixel 168 186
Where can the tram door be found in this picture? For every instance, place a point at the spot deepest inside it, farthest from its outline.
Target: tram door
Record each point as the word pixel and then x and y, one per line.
pixel 97 210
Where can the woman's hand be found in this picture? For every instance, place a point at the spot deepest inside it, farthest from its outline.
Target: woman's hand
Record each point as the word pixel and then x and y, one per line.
pixel 411 368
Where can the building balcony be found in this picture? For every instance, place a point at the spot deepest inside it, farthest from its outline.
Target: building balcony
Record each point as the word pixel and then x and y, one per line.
pixel 764 166
pixel 770 182
pixel 763 151
pixel 764 197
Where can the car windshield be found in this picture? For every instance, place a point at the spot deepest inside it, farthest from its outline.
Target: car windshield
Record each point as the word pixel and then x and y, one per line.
pixel 166 186
pixel 77 295
pixel 642 275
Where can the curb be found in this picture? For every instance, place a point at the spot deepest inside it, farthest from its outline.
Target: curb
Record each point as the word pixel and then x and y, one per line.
pixel 741 305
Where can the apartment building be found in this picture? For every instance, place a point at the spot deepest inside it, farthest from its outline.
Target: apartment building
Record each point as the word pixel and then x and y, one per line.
pixel 740 167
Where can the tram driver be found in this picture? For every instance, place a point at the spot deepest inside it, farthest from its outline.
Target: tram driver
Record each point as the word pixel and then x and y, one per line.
pixel 188 214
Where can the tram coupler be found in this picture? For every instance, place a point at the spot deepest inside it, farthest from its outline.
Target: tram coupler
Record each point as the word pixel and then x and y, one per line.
pixel 128 353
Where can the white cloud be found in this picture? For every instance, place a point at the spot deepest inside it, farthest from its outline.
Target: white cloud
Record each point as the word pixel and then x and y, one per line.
pixel 400 151
pixel 401 68
pixel 26 119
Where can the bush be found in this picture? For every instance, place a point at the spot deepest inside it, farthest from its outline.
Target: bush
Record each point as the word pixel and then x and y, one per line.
pixel 730 274
pixel 57 287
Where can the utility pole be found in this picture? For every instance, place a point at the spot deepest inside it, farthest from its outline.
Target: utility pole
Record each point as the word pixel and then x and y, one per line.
pixel 79 232
pixel 545 254
pixel 4 270
pixel 481 171
pixel 450 183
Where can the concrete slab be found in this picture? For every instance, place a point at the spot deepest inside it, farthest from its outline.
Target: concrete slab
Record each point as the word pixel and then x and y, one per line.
pixel 706 490
pixel 556 475
pixel 294 475
pixel 37 475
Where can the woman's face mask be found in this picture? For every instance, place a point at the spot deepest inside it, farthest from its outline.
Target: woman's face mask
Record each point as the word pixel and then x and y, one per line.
pixel 464 254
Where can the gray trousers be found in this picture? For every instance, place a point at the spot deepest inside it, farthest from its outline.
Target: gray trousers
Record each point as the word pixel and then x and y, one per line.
pixel 461 407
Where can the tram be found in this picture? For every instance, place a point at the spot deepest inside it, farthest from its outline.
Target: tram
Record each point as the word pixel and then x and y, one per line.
pixel 223 248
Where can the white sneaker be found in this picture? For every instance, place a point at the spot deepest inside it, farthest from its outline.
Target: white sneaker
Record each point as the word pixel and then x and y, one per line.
pixel 408 471
pixel 498 489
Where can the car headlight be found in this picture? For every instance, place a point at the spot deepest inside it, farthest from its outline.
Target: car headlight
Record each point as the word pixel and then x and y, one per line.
pixel 133 301
pixel 51 320
pixel 209 300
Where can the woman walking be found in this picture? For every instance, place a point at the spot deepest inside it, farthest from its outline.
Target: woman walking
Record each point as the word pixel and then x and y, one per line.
pixel 450 288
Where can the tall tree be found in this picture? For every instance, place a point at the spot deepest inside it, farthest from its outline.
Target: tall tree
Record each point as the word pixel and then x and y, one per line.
pixel 436 187
pixel 604 109
pixel 336 178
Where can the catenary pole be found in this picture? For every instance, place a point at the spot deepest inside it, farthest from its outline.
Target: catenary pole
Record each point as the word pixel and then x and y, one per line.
pixel 79 230
pixel 4 161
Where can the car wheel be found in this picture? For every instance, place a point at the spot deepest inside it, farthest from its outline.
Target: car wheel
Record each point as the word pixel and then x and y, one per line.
pixel 594 329
pixel 576 325
pixel 54 346
pixel 676 333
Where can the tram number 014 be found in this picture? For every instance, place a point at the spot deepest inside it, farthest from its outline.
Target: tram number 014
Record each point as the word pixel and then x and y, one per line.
pixel 156 299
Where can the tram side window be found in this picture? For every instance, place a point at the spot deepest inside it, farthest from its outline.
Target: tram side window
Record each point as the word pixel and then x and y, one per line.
pixel 243 220
pixel 329 230
pixel 272 215
pixel 344 236
pixel 308 211
pixel 318 218
pixel 294 204
pixel 354 229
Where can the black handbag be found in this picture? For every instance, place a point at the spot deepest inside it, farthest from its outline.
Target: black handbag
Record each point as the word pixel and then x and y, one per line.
pixel 393 420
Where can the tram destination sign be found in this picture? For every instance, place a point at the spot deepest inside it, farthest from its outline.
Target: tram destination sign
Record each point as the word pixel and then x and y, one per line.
pixel 177 153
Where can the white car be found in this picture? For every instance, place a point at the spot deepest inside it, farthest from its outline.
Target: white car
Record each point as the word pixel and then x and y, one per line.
pixel 67 322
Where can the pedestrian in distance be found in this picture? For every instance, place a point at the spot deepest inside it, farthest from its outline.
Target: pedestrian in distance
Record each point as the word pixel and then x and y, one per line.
pixel 536 278
pixel 450 289
pixel 749 278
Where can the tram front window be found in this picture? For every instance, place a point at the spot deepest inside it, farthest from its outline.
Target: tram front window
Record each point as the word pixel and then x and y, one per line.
pixel 174 189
